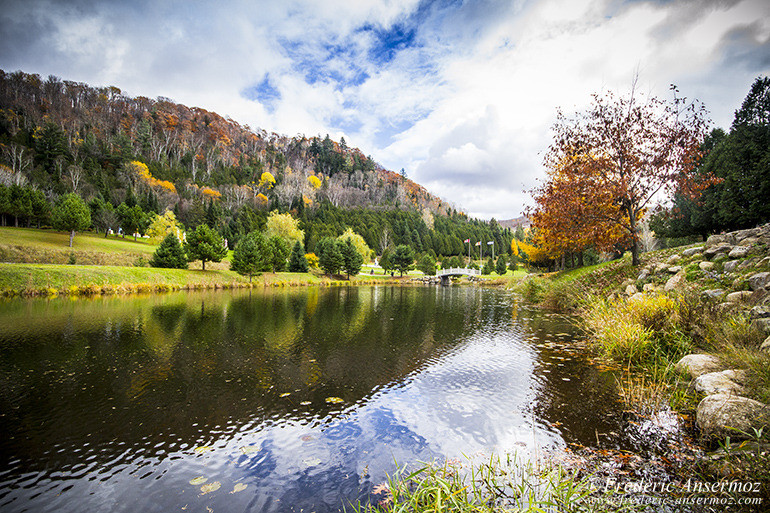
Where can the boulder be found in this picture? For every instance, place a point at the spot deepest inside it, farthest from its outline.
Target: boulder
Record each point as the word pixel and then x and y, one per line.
pixel 739 297
pixel 649 287
pixel 631 290
pixel 674 269
pixel 722 415
pixel 723 382
pixel 705 266
pixel 759 281
pixel 765 261
pixel 725 307
pixel 673 259
pixel 643 275
pixel 720 249
pixel 661 267
pixel 760 312
pixel 765 345
pixel 742 235
pixel 692 251
pixel 730 266
pixel 713 293
pixel 739 252
pixel 720 238
pixel 675 282
pixel 762 325
pixel 749 262
pixel 698 364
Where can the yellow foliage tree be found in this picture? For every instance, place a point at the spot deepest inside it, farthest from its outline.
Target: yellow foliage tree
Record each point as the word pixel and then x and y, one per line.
pixel 285 226
pixel 314 181
pixel 266 180
pixel 162 225
pixel 143 173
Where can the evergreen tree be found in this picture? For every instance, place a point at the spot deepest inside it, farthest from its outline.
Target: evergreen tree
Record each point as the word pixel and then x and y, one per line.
pixel 386 261
pixel 206 245
pixel 489 266
pixel 427 265
pixel 501 266
pixel 297 260
pixel 280 252
pixel 170 254
pixel 252 255
pixel 71 215
pixel 329 256
pixel 351 258
pixel 403 258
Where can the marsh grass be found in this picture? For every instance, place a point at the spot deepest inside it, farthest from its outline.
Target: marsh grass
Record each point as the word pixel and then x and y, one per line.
pixel 493 485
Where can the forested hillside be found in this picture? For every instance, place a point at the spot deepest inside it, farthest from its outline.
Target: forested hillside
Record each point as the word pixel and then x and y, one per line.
pixel 152 155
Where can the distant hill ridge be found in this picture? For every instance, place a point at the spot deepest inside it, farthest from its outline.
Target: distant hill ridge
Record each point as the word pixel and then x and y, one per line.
pixel 62 135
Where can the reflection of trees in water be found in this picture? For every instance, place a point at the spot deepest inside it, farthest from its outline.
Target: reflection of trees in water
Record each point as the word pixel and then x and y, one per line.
pixel 166 363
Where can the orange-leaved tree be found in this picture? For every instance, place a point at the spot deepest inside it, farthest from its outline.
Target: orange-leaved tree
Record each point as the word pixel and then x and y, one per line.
pixel 568 217
pixel 624 152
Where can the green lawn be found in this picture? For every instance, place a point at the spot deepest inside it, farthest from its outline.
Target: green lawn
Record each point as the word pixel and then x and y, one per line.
pixel 50 239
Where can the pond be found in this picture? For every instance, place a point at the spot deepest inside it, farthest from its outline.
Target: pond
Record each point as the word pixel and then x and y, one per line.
pixel 299 399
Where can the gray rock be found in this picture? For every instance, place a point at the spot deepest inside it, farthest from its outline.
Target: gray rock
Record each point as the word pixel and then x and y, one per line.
pixel 763 262
pixel 763 325
pixel 643 275
pixel 749 241
pixel 673 259
pixel 766 345
pixel 713 293
pixel 730 266
pixel 722 415
pixel 705 266
pixel 626 283
pixel 639 296
pixel 721 238
pixel 759 281
pixel 749 262
pixel 739 297
pixel 660 267
pixel 698 364
pixel 674 269
pixel 692 251
pixel 725 307
pixel 720 249
pixel 760 312
pixel 739 252
pixel 631 290
pixel 742 235
pixel 674 282
pixel 723 382
pixel 649 287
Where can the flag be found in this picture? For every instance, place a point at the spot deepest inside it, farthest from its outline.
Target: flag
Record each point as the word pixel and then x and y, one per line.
pixel 467 240
pixel 478 243
pixel 490 242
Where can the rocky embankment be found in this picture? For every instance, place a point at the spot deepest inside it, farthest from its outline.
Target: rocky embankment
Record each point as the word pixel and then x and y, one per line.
pixel 732 269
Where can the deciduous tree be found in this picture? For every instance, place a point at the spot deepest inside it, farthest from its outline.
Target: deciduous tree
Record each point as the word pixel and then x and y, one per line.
pixel 623 151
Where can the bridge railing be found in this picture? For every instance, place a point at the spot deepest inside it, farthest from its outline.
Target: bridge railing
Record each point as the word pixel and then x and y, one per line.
pixel 458 270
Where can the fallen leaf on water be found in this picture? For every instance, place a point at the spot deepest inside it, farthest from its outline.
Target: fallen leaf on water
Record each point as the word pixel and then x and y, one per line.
pixel 249 449
pixel 311 462
pixel 198 480
pixel 334 400
pixel 211 487
pixel 287 394
pixel 202 449
pixel 239 487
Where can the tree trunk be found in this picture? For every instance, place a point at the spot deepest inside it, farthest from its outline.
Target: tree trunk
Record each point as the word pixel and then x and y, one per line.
pixel 634 239
pixel 203 264
pixel 72 237
pixel 16 221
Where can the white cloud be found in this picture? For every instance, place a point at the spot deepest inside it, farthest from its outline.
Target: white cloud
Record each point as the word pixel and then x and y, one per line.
pixel 464 103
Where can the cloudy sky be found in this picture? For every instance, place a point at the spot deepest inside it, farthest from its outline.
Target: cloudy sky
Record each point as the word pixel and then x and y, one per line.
pixel 459 93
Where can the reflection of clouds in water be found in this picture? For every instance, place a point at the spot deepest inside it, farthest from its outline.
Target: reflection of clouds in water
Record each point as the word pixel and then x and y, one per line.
pixel 476 398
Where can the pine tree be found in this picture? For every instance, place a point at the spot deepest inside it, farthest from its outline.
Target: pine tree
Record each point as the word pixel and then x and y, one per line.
pixel 71 215
pixel 501 266
pixel 170 254
pixel 297 260
pixel 351 258
pixel 329 256
pixel 252 255
pixel 205 245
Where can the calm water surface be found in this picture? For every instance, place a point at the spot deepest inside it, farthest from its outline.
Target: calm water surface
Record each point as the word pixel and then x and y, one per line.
pixel 307 397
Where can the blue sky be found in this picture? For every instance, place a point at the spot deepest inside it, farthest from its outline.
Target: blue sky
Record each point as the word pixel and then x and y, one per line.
pixel 460 93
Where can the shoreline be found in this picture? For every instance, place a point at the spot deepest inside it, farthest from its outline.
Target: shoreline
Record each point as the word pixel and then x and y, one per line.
pixel 23 280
